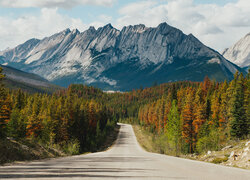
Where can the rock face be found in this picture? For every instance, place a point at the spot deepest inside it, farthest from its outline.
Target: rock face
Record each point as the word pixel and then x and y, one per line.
pixel 239 53
pixel 137 56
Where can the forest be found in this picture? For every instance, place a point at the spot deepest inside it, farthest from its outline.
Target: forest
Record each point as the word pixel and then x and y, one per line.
pixel 200 117
pixel 187 117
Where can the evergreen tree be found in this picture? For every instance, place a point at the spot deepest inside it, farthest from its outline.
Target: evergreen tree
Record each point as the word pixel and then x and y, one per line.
pixel 187 118
pixel 5 107
pixel 174 127
pixel 239 124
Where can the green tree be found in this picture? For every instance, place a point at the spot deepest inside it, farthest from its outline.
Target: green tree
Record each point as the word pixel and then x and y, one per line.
pixel 174 127
pixel 239 125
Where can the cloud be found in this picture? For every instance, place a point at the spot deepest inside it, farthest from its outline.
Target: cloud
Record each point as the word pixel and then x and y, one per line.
pixel 53 3
pixel 16 31
pixel 143 12
pixel 216 26
pixel 101 21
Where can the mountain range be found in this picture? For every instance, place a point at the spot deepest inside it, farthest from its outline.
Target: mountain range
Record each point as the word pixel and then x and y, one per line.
pixel 111 59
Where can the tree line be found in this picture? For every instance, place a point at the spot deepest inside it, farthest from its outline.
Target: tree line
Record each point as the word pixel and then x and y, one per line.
pixel 68 117
pixel 200 117
pixel 186 116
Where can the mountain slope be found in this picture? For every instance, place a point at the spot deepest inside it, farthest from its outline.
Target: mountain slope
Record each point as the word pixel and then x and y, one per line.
pixel 15 79
pixel 120 60
pixel 239 53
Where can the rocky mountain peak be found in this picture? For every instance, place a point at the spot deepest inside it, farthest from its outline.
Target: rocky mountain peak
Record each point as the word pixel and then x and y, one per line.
pixel 91 28
pixel 140 28
pixel 75 31
pixel 109 26
pixel 164 28
pixel 66 31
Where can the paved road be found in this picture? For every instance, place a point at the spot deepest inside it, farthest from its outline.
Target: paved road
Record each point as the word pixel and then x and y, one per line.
pixel 125 160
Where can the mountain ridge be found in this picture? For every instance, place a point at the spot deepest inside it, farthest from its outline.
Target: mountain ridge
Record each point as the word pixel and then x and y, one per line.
pixel 115 59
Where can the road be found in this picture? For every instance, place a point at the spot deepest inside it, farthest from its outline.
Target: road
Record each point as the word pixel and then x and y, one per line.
pixel 125 160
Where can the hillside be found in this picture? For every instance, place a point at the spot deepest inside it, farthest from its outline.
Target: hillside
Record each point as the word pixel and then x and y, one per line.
pixel 16 79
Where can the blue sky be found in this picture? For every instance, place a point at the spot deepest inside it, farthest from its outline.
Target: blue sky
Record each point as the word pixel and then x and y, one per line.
pixel 217 23
pixel 88 12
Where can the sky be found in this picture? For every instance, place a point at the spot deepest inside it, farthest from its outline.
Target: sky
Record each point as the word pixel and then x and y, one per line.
pixel 216 23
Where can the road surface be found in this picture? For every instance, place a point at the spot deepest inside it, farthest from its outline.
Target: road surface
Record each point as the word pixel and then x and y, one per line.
pixel 125 160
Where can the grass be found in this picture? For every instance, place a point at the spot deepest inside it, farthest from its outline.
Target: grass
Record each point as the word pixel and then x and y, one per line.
pixel 152 143
pixel 23 150
pixel 145 139
pixel 219 160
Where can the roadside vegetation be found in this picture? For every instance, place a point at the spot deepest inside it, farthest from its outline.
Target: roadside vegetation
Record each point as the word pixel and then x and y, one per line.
pixel 180 118
pixel 69 122
pixel 199 118
pixel 12 150
pixel 236 153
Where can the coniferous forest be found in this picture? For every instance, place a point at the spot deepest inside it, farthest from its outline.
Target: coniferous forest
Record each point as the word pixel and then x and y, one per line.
pixel 186 116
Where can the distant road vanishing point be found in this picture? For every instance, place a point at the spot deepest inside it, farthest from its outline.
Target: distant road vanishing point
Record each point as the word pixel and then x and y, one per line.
pixel 125 160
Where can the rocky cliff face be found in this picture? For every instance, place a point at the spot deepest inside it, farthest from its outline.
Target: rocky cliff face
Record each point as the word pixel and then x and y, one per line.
pixel 119 60
pixel 239 53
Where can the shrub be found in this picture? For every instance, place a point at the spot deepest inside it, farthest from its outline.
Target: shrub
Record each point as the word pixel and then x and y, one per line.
pixel 210 142
pixel 72 148
pixel 219 160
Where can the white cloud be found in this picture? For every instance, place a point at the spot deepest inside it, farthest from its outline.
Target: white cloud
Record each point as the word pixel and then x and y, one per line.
pixel 144 12
pixel 48 22
pixel 101 21
pixel 216 26
pixel 53 3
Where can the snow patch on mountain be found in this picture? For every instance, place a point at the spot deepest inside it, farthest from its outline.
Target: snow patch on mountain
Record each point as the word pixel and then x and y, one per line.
pixel 214 60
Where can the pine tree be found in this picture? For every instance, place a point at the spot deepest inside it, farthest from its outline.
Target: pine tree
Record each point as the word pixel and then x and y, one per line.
pixel 34 125
pixel 5 107
pixel 224 115
pixel 199 110
pixel 5 113
pixel 239 125
pixel 247 100
pixel 187 118
pixel 215 109
pixel 174 127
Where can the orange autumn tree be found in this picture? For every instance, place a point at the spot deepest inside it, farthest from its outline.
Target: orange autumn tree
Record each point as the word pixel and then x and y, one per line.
pixel 199 111
pixel 5 107
pixel 34 122
pixel 187 119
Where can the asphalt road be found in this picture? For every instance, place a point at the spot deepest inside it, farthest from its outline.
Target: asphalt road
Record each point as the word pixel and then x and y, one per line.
pixel 125 160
